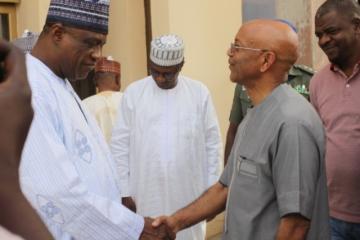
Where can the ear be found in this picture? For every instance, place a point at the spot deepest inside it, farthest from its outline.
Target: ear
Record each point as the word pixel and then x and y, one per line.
pixel 57 31
pixel 268 60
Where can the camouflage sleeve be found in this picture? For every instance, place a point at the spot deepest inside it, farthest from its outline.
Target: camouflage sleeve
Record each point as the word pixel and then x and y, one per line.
pixel 299 79
pixel 236 114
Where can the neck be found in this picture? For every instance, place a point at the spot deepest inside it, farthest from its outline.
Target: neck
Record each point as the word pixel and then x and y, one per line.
pixel 349 68
pixel 44 56
pixel 348 64
pixel 260 90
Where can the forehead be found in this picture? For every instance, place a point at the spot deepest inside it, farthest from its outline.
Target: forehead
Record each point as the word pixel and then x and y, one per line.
pixel 249 34
pixel 332 18
pixel 86 34
pixel 163 68
pixel 241 35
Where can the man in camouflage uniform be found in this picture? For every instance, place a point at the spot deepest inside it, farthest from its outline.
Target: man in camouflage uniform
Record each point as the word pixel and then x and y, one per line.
pixel 299 78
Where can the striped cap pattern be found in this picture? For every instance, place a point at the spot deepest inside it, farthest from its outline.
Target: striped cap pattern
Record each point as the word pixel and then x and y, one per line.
pixel 107 65
pixel 167 50
pixel 92 15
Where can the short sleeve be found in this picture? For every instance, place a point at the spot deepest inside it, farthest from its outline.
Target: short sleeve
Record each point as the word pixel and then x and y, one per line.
pixel 296 169
pixel 225 178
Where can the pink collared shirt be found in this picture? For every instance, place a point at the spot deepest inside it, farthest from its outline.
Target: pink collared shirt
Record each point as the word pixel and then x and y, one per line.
pixel 336 98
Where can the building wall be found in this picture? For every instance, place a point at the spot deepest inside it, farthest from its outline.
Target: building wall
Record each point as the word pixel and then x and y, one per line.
pixel 318 56
pixel 302 14
pixel 31 15
pixel 298 12
pixel 207 28
pixel 126 39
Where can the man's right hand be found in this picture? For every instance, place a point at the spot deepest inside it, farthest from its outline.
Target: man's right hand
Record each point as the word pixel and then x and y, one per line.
pixel 129 203
pixel 162 232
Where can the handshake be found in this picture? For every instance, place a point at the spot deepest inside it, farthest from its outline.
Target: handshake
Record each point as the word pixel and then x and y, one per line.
pixel 161 228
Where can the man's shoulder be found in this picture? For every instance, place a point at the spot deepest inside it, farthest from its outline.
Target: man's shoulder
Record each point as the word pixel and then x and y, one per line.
pixel 43 82
pixel 293 107
pixel 325 70
pixel 321 75
pixel 135 85
pixel 90 99
pixel 194 86
pixel 192 82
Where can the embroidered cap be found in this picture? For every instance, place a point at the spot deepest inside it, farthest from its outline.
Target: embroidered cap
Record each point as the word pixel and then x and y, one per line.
pixel 167 50
pixel 27 41
pixel 107 65
pixel 92 15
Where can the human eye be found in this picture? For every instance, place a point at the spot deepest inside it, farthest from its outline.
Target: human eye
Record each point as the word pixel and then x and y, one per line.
pixel 332 31
pixel 92 43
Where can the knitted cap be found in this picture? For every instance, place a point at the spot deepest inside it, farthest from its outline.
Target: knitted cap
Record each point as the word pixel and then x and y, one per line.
pixel 167 50
pixel 107 65
pixel 92 15
pixel 27 41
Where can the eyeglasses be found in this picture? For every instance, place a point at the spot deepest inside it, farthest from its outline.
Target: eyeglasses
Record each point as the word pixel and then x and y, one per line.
pixel 167 75
pixel 233 47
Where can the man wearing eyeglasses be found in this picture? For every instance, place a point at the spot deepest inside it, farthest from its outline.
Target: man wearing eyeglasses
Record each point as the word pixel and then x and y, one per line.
pixel 274 185
pixel 298 78
pixel 166 139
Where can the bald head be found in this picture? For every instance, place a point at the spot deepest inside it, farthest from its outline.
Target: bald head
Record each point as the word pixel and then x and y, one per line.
pixel 271 35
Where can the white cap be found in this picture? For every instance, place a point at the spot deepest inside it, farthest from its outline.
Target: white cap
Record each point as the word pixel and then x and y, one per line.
pixel 167 50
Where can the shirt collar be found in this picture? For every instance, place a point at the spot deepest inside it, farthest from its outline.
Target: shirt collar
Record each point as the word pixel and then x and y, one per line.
pixel 336 69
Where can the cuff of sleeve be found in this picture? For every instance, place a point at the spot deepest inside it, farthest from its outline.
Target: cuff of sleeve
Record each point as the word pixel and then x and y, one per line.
pixel 295 202
pixel 138 226
pixel 125 189
pixel 137 223
pixel 212 180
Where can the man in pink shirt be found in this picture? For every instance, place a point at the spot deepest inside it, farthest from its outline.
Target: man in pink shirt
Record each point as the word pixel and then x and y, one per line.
pixel 335 93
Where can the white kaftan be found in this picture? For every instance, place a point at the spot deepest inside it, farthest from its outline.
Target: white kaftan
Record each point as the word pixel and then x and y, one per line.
pixel 167 146
pixel 67 172
pixel 104 106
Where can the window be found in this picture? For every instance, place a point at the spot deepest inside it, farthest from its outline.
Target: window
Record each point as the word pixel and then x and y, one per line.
pixel 7 21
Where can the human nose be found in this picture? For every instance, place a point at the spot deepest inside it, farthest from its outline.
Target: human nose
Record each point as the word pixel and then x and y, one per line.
pixel 229 52
pixel 96 52
pixel 160 78
pixel 323 40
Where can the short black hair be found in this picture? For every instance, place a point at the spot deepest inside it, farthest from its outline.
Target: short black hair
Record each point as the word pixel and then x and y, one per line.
pixel 350 8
